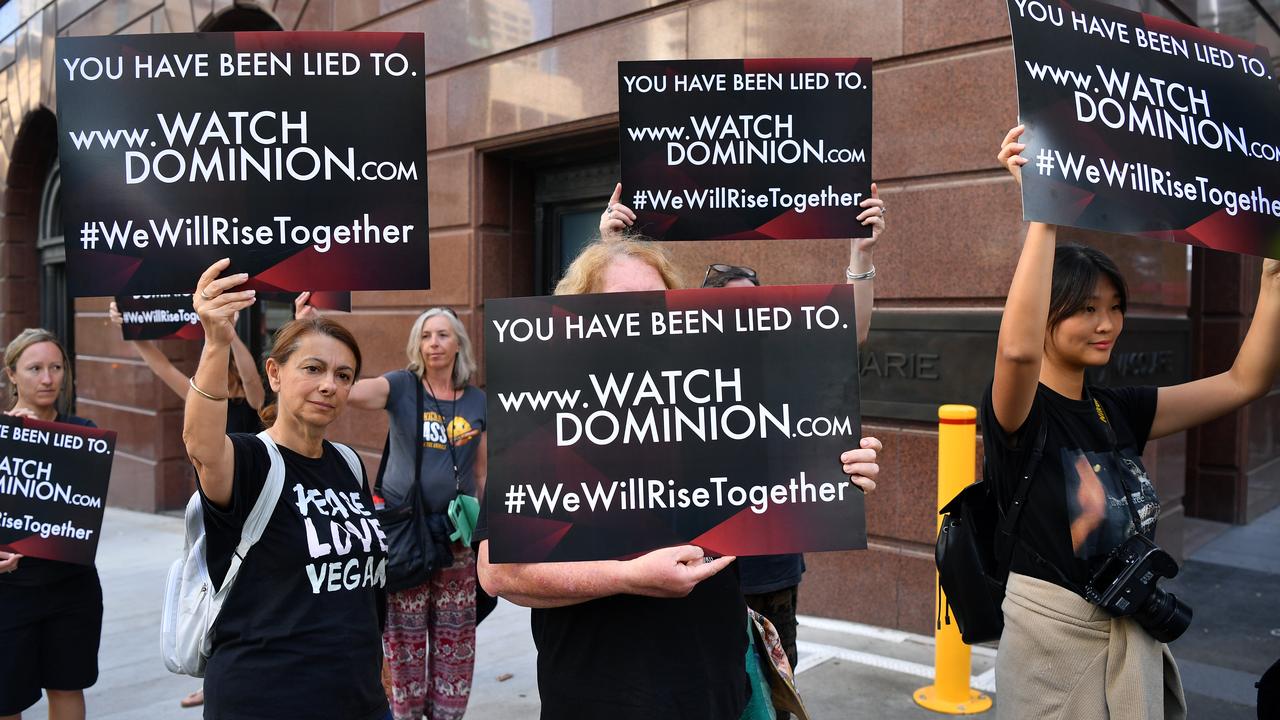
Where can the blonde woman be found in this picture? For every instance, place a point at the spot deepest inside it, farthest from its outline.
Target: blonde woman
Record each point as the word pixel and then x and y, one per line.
pixel 50 611
pixel 659 636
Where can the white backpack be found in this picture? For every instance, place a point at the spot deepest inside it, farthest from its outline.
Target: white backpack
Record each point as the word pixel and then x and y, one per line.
pixel 191 605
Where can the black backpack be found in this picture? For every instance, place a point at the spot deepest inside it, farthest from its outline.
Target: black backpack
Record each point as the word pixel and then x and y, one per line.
pixel 974 549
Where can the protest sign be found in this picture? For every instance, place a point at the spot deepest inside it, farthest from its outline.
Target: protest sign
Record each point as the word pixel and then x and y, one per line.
pixel 171 317
pixel 757 148
pixel 159 317
pixel 1141 125
pixel 620 423
pixel 300 156
pixel 53 488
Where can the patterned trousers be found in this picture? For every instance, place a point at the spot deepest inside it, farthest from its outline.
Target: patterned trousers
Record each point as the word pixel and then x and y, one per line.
pixel 430 642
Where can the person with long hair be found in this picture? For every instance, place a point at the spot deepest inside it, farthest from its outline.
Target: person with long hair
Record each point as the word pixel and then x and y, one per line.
pixel 1060 654
pixel 438 420
pixel 245 395
pixel 661 635
pixel 298 635
pixel 50 611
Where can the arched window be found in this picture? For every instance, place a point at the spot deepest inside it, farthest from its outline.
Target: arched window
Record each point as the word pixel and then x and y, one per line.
pixel 56 310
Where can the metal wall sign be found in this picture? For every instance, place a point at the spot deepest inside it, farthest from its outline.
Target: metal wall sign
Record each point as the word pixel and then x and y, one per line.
pixel 914 361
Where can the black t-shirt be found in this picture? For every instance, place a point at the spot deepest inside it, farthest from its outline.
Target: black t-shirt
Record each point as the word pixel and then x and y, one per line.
pixel 629 657
pixel 1076 510
pixel 298 635
pixel 38 571
pixel 241 417
pixel 770 573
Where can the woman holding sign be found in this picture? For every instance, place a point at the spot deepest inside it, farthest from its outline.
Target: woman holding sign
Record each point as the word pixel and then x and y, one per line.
pixel 436 449
pixel 1074 645
pixel 298 635
pixel 50 611
pixel 659 636
pixel 245 395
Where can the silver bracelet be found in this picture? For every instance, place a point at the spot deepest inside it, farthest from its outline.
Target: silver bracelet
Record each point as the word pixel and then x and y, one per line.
pixel 851 276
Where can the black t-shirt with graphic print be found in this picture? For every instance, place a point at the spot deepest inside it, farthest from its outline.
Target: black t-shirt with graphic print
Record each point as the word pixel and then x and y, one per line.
pixel 298 635
pixel 1076 510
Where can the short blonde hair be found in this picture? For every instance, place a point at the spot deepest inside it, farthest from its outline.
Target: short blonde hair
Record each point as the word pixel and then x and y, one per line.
pixel 13 353
pixel 464 366
pixel 586 273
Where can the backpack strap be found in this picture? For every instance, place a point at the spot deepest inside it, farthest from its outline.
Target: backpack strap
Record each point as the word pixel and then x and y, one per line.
pixel 1009 523
pixel 260 515
pixel 353 461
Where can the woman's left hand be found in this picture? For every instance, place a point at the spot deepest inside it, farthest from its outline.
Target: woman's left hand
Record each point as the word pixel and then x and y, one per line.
pixel 8 561
pixel 873 213
pixel 22 412
pixel 860 465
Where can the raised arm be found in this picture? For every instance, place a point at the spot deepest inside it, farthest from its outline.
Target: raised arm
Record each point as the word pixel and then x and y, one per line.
pixel 1020 347
pixel 154 357
pixel 366 394
pixel 247 369
pixel 616 217
pixel 1251 376
pixel 205 421
pixel 861 271
pixel 667 572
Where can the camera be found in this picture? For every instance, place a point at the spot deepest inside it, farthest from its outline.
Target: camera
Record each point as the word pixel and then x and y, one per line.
pixel 1125 585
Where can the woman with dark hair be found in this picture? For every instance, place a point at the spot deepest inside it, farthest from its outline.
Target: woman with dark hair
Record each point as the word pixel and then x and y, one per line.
pixel 298 635
pixel 437 422
pixel 50 611
pixel 1088 492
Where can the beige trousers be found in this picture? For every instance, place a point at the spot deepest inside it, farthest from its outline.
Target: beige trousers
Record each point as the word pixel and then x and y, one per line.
pixel 1062 658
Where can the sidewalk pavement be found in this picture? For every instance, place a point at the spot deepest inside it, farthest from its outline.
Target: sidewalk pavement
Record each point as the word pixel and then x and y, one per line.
pixel 845 670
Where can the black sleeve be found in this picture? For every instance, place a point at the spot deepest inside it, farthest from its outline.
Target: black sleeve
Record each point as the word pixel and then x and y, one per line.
pixel 1005 454
pixel 1137 404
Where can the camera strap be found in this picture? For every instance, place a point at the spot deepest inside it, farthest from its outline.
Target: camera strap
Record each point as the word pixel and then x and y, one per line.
pixel 1110 432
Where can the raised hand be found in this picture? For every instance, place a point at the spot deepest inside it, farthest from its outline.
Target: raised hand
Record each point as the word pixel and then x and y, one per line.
pixel 873 214
pixel 616 217
pixel 302 309
pixel 1009 155
pixel 217 303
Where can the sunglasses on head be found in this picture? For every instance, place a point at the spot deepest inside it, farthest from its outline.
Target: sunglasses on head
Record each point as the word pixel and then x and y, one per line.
pixel 718 274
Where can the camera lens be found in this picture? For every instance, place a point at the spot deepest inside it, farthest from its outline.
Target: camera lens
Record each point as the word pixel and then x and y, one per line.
pixel 1164 616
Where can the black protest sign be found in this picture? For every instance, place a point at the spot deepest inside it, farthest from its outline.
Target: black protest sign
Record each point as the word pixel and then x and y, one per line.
pixel 620 423
pixel 1141 125
pixel 736 149
pixel 53 488
pixel 159 317
pixel 300 156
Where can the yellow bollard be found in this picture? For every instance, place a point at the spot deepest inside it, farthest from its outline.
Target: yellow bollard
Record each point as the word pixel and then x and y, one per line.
pixel 950 692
